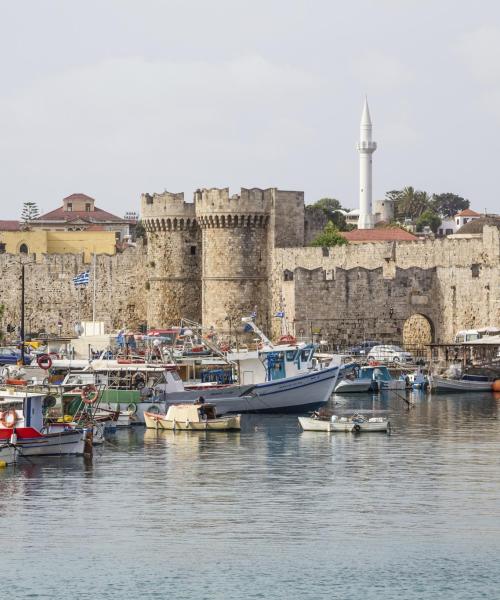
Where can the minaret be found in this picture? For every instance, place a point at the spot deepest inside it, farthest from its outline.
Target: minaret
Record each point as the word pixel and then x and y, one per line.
pixel 365 148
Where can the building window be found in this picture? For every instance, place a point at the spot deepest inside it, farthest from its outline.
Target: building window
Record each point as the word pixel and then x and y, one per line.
pixel 23 249
pixel 2 248
pixel 287 275
pixel 69 207
pixel 87 207
pixel 193 250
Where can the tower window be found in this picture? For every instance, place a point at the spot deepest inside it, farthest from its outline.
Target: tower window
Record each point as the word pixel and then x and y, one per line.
pixel 192 250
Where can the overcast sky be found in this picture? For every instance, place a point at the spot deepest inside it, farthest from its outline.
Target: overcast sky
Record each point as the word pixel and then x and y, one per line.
pixel 117 97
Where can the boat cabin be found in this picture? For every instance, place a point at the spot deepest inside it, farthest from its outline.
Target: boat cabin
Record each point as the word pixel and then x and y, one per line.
pixel 195 413
pixel 22 410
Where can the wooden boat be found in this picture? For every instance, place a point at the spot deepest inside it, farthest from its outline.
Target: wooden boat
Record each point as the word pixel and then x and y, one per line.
pixel 355 423
pixel 192 417
pixel 443 384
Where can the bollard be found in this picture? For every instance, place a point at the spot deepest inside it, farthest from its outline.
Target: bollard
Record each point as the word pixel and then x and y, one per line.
pixel 89 437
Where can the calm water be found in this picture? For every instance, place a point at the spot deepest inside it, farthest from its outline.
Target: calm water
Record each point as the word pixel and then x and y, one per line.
pixel 271 512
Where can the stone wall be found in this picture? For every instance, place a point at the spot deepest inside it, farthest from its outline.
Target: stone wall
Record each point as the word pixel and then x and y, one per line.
pixel 455 283
pixel 315 221
pixel 51 295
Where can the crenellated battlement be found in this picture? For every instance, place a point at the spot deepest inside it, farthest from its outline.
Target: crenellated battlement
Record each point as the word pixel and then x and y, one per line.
pixel 216 202
pixel 167 212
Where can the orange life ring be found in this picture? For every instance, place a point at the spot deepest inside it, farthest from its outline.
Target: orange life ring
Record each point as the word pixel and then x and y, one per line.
pixel 8 418
pixel 44 361
pixel 287 339
pixel 495 386
pixel 89 394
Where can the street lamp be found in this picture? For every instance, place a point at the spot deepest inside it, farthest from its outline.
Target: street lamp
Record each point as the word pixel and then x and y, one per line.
pixel 23 306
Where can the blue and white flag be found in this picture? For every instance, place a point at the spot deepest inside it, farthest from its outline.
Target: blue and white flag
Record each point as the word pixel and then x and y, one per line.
pixel 280 314
pixel 82 278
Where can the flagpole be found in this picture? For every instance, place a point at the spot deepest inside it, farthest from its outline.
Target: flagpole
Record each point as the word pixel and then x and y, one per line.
pixel 94 296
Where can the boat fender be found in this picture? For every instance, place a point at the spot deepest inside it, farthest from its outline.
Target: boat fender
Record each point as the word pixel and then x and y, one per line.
pixel 44 361
pixel 357 428
pixel 132 408
pixel 89 394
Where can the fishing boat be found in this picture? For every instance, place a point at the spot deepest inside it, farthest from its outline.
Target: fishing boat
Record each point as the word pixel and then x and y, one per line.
pixel 445 384
pixel 22 426
pixel 192 417
pixel 351 382
pixel 355 423
pixel 381 377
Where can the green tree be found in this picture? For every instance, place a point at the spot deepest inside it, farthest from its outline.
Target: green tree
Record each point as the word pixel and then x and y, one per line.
pixel 140 232
pixel 29 213
pixel 334 212
pixel 448 204
pixel 428 218
pixel 331 236
pixel 409 203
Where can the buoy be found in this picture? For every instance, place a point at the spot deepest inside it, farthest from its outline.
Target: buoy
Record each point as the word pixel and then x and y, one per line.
pixel 495 386
pixel 3 464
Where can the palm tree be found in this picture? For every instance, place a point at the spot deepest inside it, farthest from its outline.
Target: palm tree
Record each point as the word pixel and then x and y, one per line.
pixel 411 203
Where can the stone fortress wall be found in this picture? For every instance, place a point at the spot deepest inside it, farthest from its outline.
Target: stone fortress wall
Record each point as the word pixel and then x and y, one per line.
pixel 369 291
pixel 219 257
pixel 50 295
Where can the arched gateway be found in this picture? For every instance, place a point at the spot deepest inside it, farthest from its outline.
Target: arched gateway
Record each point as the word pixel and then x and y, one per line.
pixel 418 333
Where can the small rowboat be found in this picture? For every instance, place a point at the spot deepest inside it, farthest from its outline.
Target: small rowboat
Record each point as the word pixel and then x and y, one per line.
pixel 192 417
pixel 356 423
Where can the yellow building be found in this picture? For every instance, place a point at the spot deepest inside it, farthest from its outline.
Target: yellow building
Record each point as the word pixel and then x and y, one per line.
pixel 56 242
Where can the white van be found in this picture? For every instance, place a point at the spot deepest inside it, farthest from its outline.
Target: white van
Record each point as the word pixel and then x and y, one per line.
pixel 467 335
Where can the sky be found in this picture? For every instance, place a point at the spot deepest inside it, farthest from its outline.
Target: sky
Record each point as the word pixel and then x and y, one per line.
pixel 114 98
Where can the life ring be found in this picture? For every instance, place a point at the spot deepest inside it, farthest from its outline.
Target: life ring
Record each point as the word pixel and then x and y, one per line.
pixel 132 408
pixel 357 428
pixel 44 361
pixel 154 409
pixel 287 339
pixel 89 394
pixel 9 418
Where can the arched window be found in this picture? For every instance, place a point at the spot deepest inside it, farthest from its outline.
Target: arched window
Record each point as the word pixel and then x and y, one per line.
pixel 23 249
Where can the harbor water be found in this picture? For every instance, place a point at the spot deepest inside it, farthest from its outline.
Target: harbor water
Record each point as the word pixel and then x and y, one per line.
pixel 269 512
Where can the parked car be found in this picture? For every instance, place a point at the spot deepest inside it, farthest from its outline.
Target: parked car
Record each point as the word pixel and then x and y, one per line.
pixel 387 354
pixel 10 356
pixel 363 348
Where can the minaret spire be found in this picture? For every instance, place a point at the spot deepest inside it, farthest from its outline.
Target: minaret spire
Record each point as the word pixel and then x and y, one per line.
pixel 366 147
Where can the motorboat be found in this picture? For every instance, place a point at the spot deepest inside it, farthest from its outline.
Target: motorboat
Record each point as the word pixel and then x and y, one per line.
pixel 381 377
pixel 355 423
pixel 22 425
pixel 350 381
pixel 192 417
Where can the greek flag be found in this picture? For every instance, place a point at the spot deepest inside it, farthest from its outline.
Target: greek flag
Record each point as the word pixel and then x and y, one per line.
pixel 280 314
pixel 82 278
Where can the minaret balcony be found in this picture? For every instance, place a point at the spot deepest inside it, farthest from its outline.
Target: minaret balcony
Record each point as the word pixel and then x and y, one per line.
pixel 367 146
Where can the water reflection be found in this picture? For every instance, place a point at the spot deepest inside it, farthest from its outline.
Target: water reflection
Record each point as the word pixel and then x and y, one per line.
pixel 268 505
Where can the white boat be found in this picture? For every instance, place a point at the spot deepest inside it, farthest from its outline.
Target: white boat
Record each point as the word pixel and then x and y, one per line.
pixel 22 425
pixel 192 417
pixel 381 378
pixel 444 384
pixel 352 386
pixel 356 423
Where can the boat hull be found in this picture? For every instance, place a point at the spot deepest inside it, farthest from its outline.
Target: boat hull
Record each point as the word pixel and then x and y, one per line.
pixel 52 444
pixel 311 424
pixel 441 384
pixel 347 386
pixel 219 424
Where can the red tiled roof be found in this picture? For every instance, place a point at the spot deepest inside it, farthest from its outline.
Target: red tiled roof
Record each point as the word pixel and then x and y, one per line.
pixel 70 215
pixel 10 225
pixel 79 197
pixel 467 212
pixel 382 234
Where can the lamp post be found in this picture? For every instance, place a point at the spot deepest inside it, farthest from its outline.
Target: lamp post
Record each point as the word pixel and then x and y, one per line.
pixel 23 308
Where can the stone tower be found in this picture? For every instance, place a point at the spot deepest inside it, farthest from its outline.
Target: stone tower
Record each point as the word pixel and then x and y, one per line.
pixel 366 147
pixel 235 254
pixel 174 259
